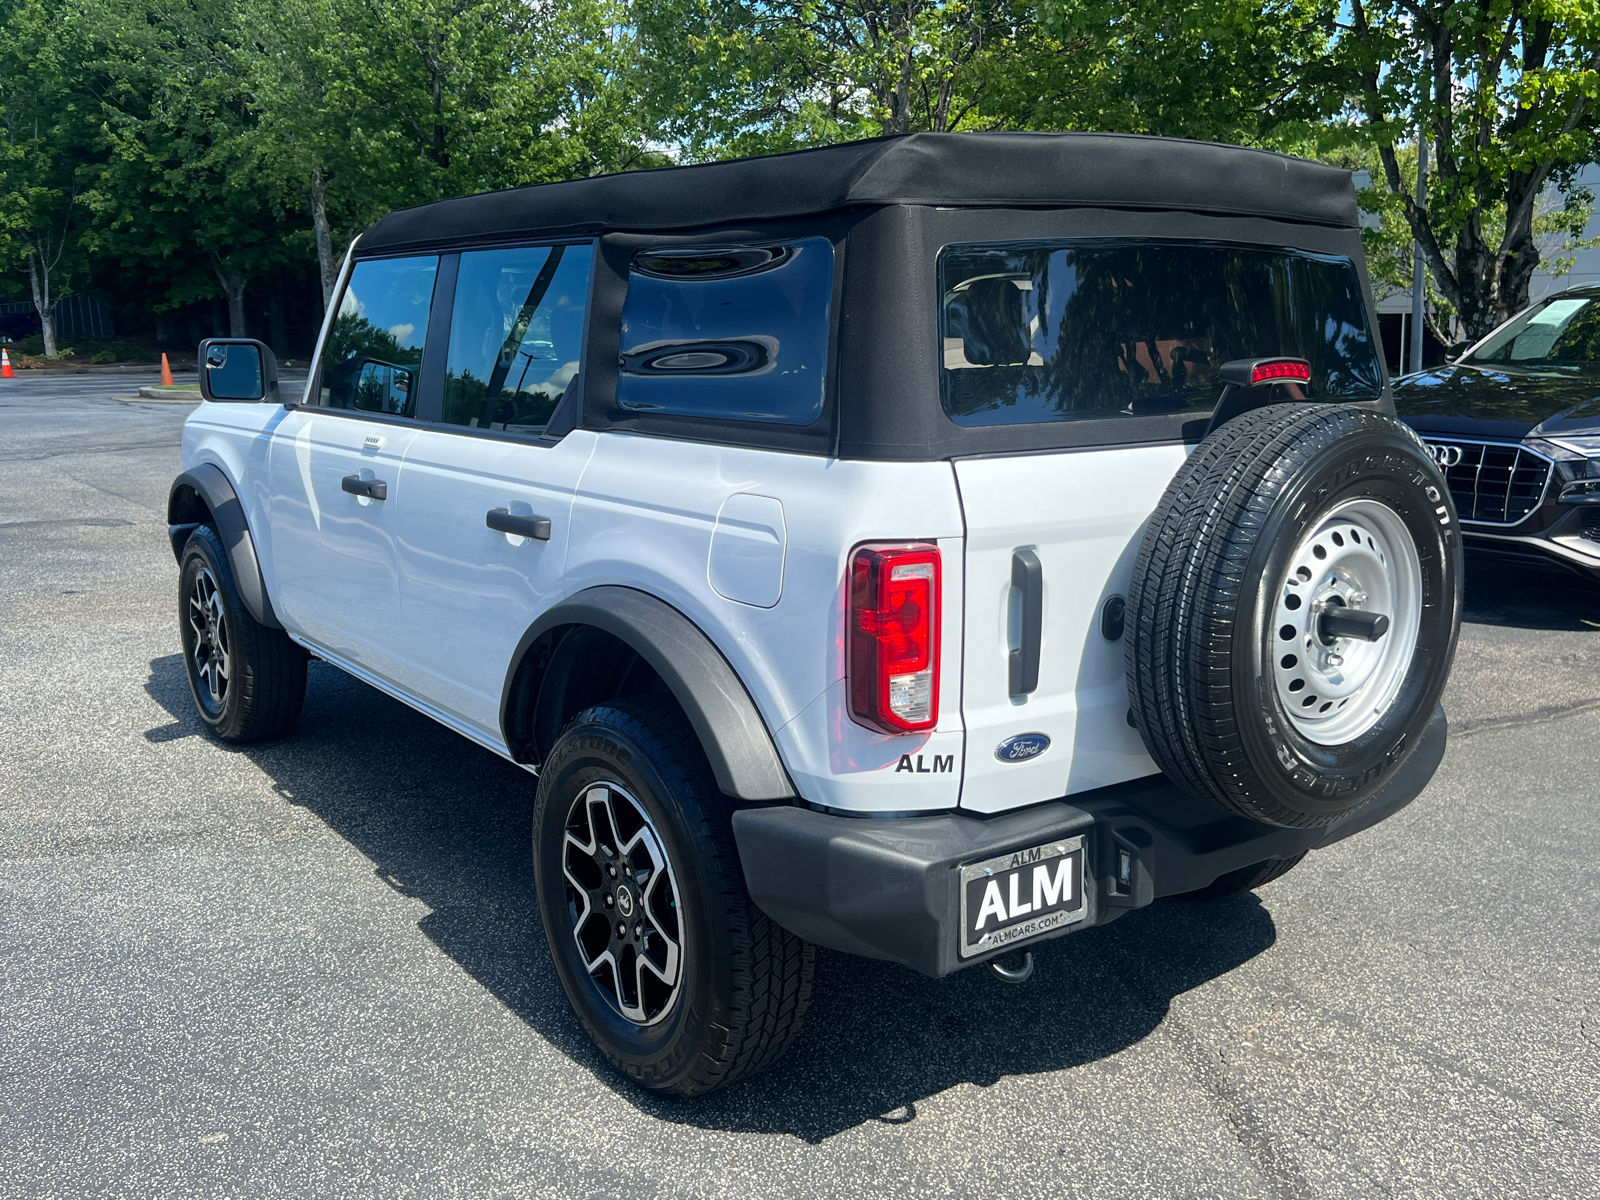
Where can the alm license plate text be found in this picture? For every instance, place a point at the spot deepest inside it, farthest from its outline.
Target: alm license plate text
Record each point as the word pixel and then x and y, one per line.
pixel 1021 895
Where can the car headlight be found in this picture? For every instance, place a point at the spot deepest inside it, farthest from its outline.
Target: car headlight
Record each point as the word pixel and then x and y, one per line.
pixel 1577 470
pixel 1585 445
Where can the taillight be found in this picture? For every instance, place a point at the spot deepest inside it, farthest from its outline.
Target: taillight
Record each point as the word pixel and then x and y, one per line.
pixel 1283 368
pixel 894 637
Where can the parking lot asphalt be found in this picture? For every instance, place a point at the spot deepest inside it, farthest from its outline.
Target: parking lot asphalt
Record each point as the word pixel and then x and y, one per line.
pixel 315 968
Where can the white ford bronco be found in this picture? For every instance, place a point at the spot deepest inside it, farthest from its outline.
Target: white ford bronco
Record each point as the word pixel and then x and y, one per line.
pixel 922 548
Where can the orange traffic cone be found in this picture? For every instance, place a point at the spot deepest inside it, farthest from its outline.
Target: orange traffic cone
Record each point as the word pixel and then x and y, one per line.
pixel 166 371
pixel 5 365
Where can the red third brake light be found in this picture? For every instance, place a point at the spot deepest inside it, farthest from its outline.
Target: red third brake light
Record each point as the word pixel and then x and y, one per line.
pixel 1281 368
pixel 894 637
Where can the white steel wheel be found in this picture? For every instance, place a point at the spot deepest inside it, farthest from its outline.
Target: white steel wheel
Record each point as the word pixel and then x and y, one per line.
pixel 1334 679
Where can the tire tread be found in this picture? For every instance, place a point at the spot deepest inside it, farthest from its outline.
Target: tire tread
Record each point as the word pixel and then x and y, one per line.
pixel 772 969
pixel 270 681
pixel 1189 579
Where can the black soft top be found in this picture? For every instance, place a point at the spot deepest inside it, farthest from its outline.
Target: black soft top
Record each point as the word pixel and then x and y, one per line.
pixel 1012 170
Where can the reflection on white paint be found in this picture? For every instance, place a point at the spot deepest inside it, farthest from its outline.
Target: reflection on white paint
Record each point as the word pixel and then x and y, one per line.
pixel 302 456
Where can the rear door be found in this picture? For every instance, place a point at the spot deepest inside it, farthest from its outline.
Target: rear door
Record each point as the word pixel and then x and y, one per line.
pixel 1115 342
pixel 470 590
pixel 1072 522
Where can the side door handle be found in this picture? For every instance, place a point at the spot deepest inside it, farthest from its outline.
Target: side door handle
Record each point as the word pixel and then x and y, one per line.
pixel 506 521
pixel 357 486
pixel 1027 576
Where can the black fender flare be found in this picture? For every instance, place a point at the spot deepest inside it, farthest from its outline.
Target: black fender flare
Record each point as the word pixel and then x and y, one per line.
pixel 741 752
pixel 211 487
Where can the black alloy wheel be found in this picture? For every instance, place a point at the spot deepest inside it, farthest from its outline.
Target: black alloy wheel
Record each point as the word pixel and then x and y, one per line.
pixel 622 902
pixel 248 680
pixel 675 974
pixel 211 663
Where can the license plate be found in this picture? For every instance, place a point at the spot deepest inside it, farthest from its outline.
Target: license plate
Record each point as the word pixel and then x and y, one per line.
pixel 1021 895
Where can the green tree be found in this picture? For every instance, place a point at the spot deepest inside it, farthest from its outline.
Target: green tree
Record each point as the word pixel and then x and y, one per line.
pixel 43 158
pixel 445 97
pixel 729 77
pixel 1504 94
pixel 1219 70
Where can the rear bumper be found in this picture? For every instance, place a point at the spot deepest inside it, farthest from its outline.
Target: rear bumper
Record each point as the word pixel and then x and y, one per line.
pixel 888 888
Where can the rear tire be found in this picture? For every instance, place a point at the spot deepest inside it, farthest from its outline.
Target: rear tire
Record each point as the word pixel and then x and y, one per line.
pixel 693 987
pixel 1283 517
pixel 248 681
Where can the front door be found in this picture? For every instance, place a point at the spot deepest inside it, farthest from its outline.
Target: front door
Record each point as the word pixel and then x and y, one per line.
pixel 335 468
pixel 469 590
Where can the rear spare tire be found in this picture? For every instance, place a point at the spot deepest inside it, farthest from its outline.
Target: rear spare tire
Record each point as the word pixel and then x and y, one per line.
pixel 1294 611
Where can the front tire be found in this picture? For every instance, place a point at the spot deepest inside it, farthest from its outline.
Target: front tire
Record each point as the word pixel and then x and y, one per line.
pixel 248 681
pixel 676 975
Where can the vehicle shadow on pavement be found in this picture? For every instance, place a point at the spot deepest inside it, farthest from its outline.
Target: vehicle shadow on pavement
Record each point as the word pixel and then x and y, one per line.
pixel 1528 597
pixel 448 823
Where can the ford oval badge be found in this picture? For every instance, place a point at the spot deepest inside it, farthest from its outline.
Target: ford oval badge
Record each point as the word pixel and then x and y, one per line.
pixel 1020 747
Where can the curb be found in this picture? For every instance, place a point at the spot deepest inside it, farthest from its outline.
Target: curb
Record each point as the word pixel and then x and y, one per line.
pixel 165 395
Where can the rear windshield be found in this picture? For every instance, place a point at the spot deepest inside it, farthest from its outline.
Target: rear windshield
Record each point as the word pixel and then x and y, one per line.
pixel 1561 332
pixel 1110 328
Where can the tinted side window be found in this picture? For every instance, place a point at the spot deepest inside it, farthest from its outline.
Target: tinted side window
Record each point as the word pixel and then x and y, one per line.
pixel 374 352
pixel 1058 331
pixel 516 335
pixel 739 332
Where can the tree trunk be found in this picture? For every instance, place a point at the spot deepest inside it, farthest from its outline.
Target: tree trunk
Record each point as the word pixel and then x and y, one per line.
pixel 1476 274
pixel 277 330
pixel 233 288
pixel 39 277
pixel 941 110
pixel 1519 253
pixel 904 32
pixel 327 265
pixel 441 156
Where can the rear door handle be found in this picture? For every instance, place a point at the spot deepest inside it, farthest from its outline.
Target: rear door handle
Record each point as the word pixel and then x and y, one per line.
pixel 1027 576
pixel 357 486
pixel 506 521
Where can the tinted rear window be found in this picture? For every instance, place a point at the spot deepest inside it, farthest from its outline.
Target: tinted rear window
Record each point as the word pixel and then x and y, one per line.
pixel 1114 328
pixel 739 332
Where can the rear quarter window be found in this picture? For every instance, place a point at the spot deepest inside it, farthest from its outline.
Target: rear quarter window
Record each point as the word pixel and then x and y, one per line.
pixel 1114 328
pixel 733 332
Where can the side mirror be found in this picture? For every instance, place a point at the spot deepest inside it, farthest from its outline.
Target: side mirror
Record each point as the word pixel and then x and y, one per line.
pixel 234 369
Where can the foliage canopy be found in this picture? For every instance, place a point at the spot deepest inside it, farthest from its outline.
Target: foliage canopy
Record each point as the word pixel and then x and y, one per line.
pixel 198 146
